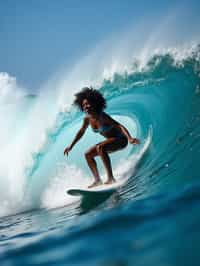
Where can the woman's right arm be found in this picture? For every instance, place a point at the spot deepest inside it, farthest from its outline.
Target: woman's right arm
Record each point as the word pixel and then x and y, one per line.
pixel 78 135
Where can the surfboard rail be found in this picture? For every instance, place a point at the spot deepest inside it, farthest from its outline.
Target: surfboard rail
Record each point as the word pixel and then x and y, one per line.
pixel 102 189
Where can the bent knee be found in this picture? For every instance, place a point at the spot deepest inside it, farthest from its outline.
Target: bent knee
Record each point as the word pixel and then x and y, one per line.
pixel 90 154
pixel 101 150
pixel 87 155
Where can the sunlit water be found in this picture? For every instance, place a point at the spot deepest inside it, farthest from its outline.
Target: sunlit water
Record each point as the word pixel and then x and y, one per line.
pixel 152 220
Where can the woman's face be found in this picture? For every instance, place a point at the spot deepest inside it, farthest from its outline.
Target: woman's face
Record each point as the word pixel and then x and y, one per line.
pixel 87 107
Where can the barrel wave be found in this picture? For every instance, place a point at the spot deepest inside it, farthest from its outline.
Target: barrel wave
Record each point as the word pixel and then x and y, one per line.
pixel 159 104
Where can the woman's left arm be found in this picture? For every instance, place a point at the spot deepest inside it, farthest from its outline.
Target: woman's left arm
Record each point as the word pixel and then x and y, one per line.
pixel 123 129
pixel 127 134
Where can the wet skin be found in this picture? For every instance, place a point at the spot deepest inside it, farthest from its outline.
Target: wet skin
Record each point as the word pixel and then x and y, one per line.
pixel 112 143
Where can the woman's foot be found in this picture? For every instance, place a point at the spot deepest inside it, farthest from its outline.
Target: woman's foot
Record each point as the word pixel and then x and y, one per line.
pixel 110 181
pixel 96 183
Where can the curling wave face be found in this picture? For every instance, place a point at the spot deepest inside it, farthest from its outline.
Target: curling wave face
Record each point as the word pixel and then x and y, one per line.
pixel 158 104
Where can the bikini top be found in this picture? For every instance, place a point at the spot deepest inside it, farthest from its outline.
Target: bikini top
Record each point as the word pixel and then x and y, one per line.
pixel 102 129
pixel 105 128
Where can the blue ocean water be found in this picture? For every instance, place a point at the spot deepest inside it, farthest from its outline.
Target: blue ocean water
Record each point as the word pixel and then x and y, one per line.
pixel 152 220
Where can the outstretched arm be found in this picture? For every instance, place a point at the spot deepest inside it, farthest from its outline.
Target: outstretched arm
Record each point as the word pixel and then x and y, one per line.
pixel 78 135
pixel 122 128
pixel 127 134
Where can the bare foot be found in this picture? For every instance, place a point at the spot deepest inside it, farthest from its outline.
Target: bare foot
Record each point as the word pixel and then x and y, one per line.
pixel 96 183
pixel 110 181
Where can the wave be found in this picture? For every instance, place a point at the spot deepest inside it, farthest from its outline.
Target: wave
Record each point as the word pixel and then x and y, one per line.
pixel 162 95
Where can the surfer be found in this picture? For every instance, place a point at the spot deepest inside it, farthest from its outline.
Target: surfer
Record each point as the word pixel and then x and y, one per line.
pixel 93 103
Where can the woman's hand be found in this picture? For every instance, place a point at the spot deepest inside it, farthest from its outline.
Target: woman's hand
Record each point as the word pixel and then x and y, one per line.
pixel 67 150
pixel 134 141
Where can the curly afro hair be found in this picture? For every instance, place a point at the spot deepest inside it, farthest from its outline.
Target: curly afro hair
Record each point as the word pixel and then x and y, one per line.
pixel 94 97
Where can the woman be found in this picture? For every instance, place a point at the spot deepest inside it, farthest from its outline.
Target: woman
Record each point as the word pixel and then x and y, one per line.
pixel 117 136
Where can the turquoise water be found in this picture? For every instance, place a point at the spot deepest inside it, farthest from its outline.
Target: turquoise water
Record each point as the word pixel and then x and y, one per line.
pixel 152 220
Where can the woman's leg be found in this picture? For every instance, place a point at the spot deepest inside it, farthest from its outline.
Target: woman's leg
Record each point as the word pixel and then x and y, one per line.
pixel 108 146
pixel 102 149
pixel 107 163
pixel 89 155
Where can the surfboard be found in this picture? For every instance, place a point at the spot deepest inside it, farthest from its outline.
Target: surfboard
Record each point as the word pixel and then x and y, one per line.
pixel 102 189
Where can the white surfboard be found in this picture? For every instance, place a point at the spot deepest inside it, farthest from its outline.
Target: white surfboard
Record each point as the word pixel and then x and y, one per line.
pixel 102 189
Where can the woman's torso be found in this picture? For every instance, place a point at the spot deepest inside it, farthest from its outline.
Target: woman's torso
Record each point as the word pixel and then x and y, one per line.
pixel 105 128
